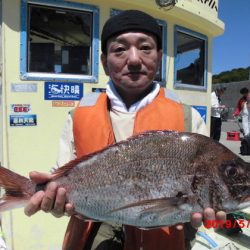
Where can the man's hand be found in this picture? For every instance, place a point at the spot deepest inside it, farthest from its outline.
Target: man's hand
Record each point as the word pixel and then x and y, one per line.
pixel 52 199
pixel 209 214
pixel 197 218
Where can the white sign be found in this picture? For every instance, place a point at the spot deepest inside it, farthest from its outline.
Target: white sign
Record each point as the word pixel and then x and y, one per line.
pixel 23 87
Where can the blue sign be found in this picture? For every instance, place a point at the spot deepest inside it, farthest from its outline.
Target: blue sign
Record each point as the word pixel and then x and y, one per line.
pixel 63 91
pixel 23 120
pixel 203 111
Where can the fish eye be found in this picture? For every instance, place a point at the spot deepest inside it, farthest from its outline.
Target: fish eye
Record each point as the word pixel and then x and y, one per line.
pixel 231 171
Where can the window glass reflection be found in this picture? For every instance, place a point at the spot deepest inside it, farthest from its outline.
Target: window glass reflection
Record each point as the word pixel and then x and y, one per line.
pixel 190 60
pixel 59 40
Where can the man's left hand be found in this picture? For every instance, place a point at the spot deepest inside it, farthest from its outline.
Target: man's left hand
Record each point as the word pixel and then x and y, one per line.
pixel 209 214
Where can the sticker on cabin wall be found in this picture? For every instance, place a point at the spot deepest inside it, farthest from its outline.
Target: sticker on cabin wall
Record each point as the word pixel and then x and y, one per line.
pixel 20 108
pixel 63 91
pixel 23 120
pixel 99 90
pixel 63 104
pixel 23 87
pixel 203 111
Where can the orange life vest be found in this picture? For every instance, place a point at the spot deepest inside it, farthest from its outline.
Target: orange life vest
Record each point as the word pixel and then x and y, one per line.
pixel 93 131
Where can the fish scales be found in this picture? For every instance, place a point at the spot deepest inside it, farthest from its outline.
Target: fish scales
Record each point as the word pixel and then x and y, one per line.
pixel 155 179
pixel 145 179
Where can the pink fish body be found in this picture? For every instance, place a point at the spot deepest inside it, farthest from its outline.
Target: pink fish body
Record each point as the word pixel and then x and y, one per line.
pixel 154 179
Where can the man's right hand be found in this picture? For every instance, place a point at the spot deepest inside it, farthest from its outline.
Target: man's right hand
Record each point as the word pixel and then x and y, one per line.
pixel 52 199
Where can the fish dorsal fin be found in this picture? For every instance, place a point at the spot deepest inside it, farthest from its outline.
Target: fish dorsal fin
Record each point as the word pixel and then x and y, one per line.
pixel 59 172
pixel 152 132
pixel 62 171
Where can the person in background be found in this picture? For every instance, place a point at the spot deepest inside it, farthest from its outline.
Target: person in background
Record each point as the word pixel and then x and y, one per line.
pixel 244 92
pixel 245 115
pixel 131 44
pixel 241 111
pixel 216 110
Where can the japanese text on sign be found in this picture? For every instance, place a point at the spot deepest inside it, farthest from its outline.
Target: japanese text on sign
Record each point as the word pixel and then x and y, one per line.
pixel 63 91
pixel 23 120
pixel 20 108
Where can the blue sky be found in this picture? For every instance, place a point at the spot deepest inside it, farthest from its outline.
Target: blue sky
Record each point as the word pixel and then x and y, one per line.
pixel 232 49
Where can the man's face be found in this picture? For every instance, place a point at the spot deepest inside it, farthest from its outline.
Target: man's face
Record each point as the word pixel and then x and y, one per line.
pixel 132 61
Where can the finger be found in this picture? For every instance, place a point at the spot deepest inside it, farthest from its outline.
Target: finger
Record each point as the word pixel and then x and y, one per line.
pixel 38 177
pixel 49 197
pixel 209 217
pixel 58 210
pixel 196 220
pixel 179 227
pixel 209 214
pixel 69 209
pixel 221 216
pixel 34 203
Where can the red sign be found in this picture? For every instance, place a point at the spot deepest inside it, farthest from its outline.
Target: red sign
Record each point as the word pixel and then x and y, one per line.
pixel 20 108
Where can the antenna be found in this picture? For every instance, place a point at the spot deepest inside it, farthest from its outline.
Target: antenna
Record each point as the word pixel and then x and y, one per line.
pixel 166 4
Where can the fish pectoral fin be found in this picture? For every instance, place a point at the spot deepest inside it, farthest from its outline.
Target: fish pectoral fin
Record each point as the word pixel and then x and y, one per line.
pixel 159 204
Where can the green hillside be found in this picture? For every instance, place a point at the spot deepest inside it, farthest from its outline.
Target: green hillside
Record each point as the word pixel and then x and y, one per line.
pixel 235 75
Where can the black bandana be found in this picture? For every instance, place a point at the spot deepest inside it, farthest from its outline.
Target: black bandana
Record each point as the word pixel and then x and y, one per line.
pixel 130 20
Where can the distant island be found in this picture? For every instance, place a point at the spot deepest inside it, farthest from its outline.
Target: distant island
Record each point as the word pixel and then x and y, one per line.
pixel 234 75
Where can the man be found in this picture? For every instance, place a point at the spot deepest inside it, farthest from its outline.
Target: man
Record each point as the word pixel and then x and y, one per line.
pixel 133 103
pixel 216 110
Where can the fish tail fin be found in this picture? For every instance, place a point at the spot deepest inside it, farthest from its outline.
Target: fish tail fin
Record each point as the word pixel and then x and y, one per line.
pixel 18 189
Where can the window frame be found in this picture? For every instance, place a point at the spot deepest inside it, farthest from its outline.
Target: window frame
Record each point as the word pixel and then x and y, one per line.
pixel 195 35
pixel 25 75
pixel 163 24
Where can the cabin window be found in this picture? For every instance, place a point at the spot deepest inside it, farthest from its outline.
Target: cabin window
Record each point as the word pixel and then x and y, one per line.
pixel 161 73
pixel 190 59
pixel 60 41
